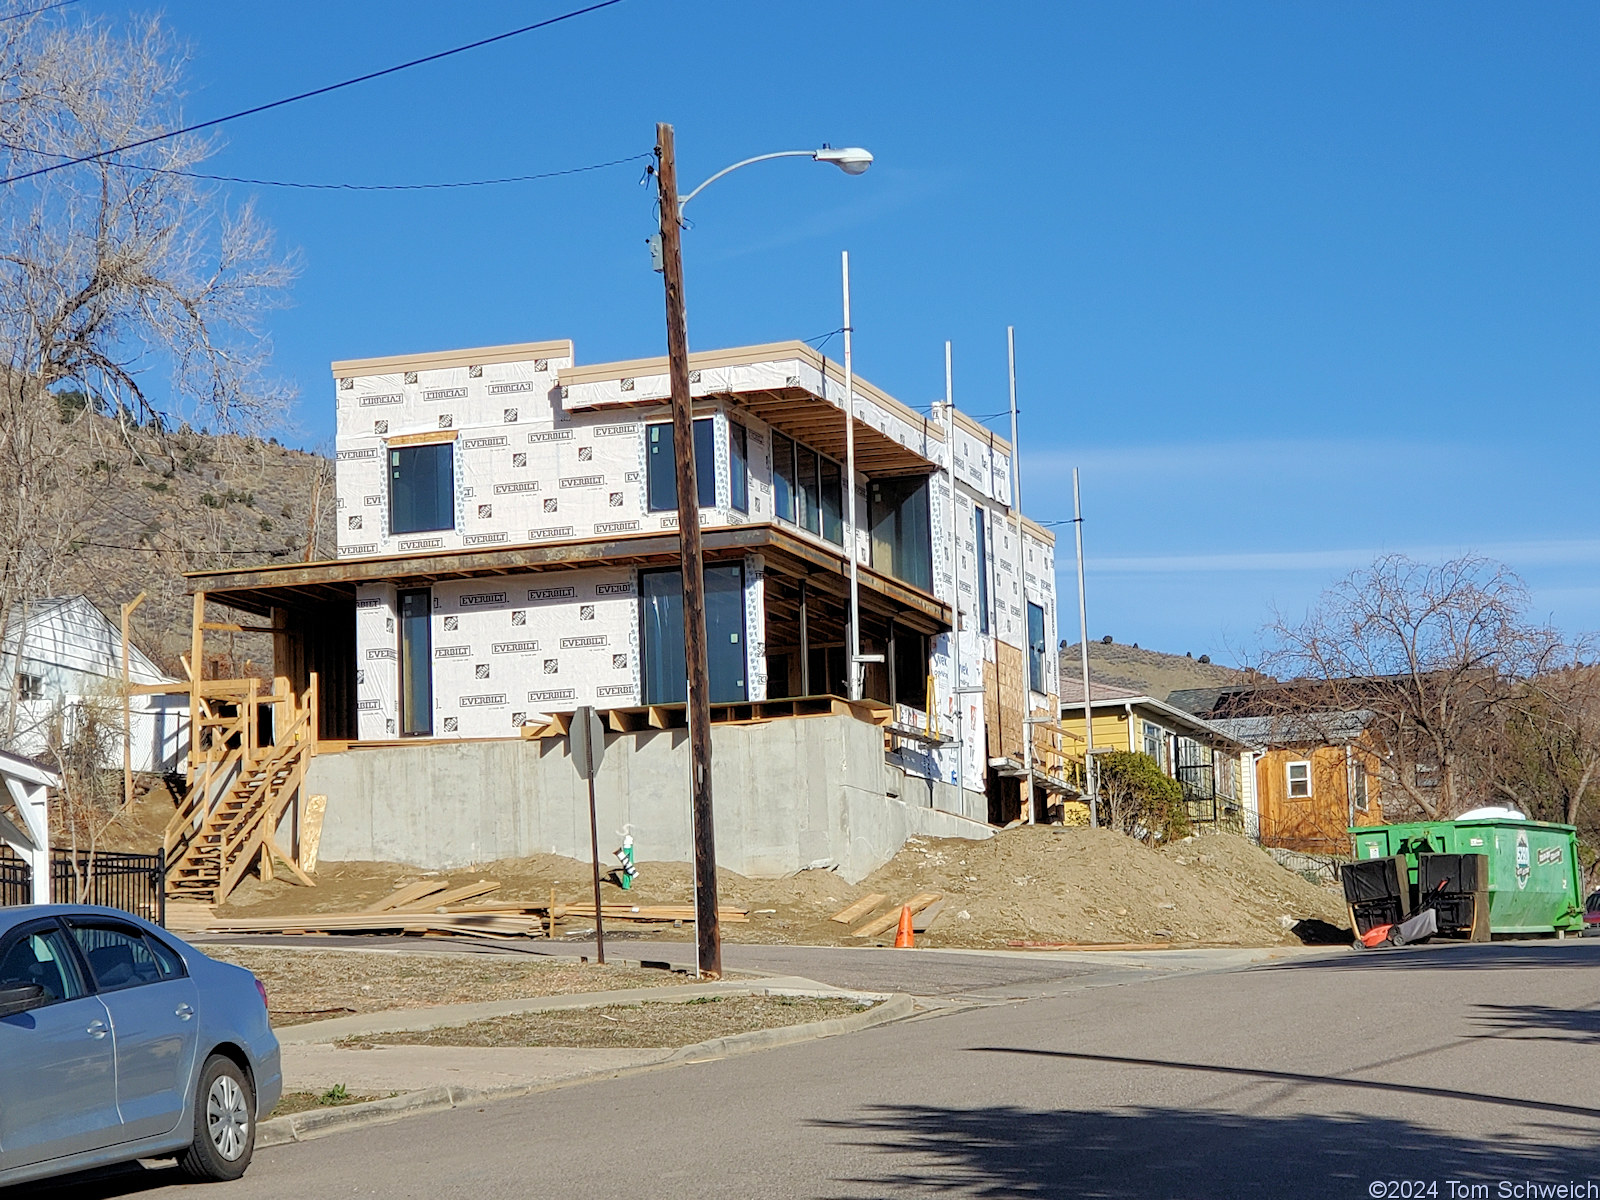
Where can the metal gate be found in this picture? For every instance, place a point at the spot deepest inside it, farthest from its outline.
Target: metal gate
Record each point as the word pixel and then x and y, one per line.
pixel 134 883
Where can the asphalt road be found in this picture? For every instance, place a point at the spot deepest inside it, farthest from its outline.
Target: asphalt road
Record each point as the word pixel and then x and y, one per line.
pixel 1311 1076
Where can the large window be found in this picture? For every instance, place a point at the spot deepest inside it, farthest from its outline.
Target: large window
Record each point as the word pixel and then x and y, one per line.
pixel 422 492
pixel 738 467
pixel 662 470
pixel 416 663
pixel 981 525
pixel 1038 648
pixel 1155 742
pixel 807 489
pixel 661 616
pixel 902 541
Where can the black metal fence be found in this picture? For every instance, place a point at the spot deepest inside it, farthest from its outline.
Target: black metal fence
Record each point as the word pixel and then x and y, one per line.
pixel 16 880
pixel 135 883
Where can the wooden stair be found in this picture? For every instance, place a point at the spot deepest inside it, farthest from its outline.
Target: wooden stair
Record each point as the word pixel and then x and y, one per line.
pixel 238 788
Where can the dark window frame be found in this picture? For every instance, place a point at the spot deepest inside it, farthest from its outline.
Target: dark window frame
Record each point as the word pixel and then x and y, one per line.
pixel 408 517
pixel 657 490
pixel 981 543
pixel 426 657
pixel 1037 650
pixel 738 467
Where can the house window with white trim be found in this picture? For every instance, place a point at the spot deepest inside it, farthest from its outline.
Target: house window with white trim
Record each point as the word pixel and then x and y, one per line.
pixel 1298 775
pixel 1358 786
pixel 30 687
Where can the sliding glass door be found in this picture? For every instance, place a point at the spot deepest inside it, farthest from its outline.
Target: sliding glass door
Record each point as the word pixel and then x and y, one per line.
pixel 661 620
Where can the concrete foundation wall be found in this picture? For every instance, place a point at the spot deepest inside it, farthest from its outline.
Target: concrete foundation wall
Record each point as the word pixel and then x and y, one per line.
pixel 789 794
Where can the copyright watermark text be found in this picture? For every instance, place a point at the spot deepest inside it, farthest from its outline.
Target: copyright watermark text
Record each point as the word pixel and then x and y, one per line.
pixel 1499 1189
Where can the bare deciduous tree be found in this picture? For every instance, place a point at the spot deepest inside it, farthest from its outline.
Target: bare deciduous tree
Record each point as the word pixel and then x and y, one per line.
pixel 1431 657
pixel 111 272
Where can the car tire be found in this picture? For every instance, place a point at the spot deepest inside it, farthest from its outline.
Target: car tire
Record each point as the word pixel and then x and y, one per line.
pixel 224 1123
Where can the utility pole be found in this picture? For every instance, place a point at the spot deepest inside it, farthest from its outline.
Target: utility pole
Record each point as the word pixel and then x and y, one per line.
pixel 1022 578
pixel 854 549
pixel 1083 660
pixel 956 682
pixel 708 934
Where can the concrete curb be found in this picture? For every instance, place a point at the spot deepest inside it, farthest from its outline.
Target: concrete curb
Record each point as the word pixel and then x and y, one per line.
pixel 307 1126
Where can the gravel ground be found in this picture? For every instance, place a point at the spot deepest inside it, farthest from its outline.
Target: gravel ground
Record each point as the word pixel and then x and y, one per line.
pixel 309 985
pixel 630 1026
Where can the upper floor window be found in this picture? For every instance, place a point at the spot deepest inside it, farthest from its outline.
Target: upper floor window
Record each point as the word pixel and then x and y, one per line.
pixel 1299 780
pixel 902 539
pixel 30 687
pixel 422 491
pixel 981 545
pixel 738 467
pixel 1038 648
pixel 807 489
pixel 662 471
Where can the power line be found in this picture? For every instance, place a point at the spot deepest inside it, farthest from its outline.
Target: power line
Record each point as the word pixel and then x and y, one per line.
pixel 348 187
pixel 321 91
pixel 34 11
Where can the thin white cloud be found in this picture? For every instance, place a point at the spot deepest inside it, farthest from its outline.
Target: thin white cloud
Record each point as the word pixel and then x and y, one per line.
pixel 1520 556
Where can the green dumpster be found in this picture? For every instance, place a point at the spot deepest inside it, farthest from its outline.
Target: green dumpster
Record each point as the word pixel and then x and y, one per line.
pixel 1534 882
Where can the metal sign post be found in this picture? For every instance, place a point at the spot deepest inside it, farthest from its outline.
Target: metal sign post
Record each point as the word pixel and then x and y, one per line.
pixel 586 742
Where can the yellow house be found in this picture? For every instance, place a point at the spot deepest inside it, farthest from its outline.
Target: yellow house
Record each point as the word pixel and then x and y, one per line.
pixel 1210 763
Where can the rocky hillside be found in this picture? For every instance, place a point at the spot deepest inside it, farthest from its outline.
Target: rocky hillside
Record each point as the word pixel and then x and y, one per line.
pixel 1149 671
pixel 152 506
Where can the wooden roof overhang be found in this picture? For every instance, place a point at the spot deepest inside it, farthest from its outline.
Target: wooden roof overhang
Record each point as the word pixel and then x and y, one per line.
pixel 309 585
pixel 820 425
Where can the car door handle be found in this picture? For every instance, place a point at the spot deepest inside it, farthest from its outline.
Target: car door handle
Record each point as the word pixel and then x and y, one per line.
pixel 184 1012
pixel 97 1029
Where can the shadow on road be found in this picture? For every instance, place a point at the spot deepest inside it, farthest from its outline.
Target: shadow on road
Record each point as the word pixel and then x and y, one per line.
pixel 1300 1078
pixel 1568 954
pixel 1164 1152
pixel 1539 1023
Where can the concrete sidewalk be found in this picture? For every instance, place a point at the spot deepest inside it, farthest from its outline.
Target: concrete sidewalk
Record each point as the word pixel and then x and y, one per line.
pixel 386 1069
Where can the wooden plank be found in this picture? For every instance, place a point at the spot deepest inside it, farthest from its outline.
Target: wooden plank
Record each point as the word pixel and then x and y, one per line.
pixel 311 831
pixel 468 891
pixel 854 912
pixel 924 920
pixel 408 894
pixel 272 848
pixel 891 918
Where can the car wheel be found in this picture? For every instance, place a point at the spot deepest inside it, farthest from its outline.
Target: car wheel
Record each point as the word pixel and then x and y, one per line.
pixel 224 1123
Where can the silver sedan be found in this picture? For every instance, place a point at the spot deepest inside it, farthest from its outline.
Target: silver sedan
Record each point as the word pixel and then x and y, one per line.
pixel 119 1041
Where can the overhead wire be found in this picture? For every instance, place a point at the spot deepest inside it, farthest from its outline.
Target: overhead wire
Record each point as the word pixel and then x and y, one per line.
pixel 43 8
pixel 350 187
pixel 307 95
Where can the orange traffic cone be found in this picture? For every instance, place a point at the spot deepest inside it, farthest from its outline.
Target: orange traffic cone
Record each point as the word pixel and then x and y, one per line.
pixel 903 937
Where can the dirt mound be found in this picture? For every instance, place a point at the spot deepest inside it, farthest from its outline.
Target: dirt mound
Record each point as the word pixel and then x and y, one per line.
pixel 1045 883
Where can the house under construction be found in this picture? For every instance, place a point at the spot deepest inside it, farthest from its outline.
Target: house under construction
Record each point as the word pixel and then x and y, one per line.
pixel 508 552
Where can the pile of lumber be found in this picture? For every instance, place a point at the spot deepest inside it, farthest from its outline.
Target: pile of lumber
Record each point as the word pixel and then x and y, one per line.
pixel 431 908
pixel 647 913
pixel 924 906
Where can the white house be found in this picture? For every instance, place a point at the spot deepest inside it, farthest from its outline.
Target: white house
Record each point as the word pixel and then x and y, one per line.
pixel 63 652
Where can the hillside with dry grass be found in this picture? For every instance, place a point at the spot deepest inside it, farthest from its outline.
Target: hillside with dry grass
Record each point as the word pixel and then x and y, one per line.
pixel 1150 671
pixel 147 506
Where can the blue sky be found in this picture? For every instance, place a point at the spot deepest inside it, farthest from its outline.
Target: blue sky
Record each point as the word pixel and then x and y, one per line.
pixel 1293 284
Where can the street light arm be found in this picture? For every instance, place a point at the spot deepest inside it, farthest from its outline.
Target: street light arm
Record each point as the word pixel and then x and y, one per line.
pixel 683 202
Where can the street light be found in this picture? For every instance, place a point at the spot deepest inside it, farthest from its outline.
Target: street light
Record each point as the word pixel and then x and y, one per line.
pixel 668 253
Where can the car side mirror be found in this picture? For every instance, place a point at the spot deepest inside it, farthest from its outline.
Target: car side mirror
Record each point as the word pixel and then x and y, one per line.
pixel 20 997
